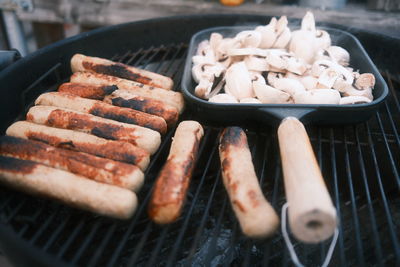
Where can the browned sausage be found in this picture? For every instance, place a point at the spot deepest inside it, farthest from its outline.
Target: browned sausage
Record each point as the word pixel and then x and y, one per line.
pixel 172 183
pixel 81 62
pixel 101 109
pixel 72 189
pixel 99 169
pixel 116 150
pixel 109 129
pixel 129 100
pixel 256 216
pixel 92 91
pixel 170 97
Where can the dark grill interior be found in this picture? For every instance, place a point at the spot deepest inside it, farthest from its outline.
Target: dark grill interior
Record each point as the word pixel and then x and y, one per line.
pixel 360 164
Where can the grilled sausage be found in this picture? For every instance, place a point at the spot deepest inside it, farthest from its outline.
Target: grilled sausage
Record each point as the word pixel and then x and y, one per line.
pixel 129 100
pixel 92 91
pixel 109 129
pixel 67 187
pixel 99 169
pixel 100 65
pixel 256 216
pixel 172 183
pixel 77 141
pixel 169 97
pixel 101 109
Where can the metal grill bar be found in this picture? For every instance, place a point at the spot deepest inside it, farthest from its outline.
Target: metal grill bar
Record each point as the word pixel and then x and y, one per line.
pixel 388 212
pixel 354 161
pixel 371 211
pixel 360 252
pixel 337 196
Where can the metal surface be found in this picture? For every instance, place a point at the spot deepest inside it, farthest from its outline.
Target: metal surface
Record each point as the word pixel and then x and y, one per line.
pixel 359 163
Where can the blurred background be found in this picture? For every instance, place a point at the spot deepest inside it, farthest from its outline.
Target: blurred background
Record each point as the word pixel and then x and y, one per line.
pixel 27 25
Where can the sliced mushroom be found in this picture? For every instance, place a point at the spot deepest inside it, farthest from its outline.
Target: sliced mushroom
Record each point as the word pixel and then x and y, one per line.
pixel 323 39
pixel 339 55
pixel 248 51
pixel 256 63
pixel 202 47
pixel 250 100
pixel 354 100
pixel 273 76
pixel 268 94
pixel 215 40
pixel 249 38
pixel 289 86
pixel 283 33
pixel 321 65
pixel 276 60
pixel 309 82
pixel 203 89
pixel 238 81
pixel 318 96
pixel 351 91
pixel 223 98
pixel 327 78
pixel 296 65
pixel 365 81
pixel 268 34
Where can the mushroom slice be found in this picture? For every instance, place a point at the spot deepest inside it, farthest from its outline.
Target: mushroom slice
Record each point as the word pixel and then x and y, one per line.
pixel 238 81
pixel 256 63
pixel 249 38
pixel 318 96
pixel 203 89
pixel 223 98
pixel 273 76
pixel 347 100
pixel 202 47
pixel 215 40
pixel 303 45
pixel 365 81
pixel 320 65
pixel 339 55
pixel 221 53
pixel 327 78
pixel 275 59
pixel 283 33
pixel 247 52
pixel 250 100
pixel 308 22
pixel 309 82
pixel 268 34
pixel 268 94
pixel 323 39
pixel 296 65
pixel 351 91
pixel 289 86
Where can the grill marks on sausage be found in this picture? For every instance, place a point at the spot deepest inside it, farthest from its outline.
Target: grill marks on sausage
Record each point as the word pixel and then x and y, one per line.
pixel 74 121
pixel 120 151
pixel 75 162
pixel 168 113
pixel 97 92
pixel 117 69
pixel 17 166
pixel 129 116
pixel 232 136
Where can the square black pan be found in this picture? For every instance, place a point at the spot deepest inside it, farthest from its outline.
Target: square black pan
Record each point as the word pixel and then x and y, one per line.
pixel 273 114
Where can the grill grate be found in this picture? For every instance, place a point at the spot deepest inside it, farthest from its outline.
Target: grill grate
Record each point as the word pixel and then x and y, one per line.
pixel 359 163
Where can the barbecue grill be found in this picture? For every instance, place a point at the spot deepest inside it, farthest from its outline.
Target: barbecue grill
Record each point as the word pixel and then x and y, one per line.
pixel 360 164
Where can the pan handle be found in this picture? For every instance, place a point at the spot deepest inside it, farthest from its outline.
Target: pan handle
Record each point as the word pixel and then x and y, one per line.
pixel 312 216
pixel 280 113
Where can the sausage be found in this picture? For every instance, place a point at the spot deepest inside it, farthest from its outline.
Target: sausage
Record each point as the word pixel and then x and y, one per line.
pixel 129 100
pixel 170 189
pixel 101 109
pixel 72 189
pixel 77 141
pixel 92 91
pixel 99 169
pixel 256 216
pixel 109 129
pixel 169 97
pixel 81 62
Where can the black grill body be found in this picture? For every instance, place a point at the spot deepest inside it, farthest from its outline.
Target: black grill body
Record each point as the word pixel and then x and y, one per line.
pixel 360 164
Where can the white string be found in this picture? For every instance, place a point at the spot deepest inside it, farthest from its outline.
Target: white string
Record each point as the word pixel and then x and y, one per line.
pixel 290 247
